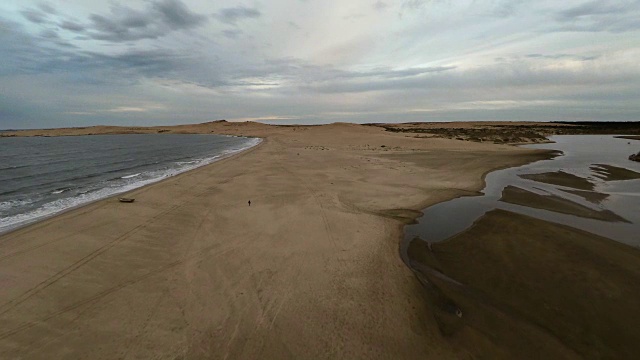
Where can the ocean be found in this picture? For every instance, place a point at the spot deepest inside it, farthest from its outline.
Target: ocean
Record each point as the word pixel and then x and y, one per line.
pixel 42 176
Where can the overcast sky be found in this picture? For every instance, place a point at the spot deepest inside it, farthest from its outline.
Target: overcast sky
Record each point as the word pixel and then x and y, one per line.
pixel 147 62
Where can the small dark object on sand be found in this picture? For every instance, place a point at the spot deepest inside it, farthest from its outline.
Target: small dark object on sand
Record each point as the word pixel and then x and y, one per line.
pixel 249 202
pixel 126 200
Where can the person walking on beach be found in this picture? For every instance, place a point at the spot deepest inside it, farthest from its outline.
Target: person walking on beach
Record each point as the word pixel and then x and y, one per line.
pixel 249 202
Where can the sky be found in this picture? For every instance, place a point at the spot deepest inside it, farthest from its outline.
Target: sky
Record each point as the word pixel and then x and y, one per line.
pixel 160 62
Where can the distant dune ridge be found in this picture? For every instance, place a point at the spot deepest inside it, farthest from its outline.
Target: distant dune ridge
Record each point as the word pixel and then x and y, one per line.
pixel 310 270
pixel 501 132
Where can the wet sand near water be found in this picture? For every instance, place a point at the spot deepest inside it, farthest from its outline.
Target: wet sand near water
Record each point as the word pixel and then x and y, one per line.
pixel 561 178
pixel 524 281
pixel 533 289
pixel 614 173
pixel 518 196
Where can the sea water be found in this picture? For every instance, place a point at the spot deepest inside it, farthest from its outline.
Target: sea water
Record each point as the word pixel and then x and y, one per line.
pixel 42 176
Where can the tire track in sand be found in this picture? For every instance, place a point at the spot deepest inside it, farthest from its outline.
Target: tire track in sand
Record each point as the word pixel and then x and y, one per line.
pixel 8 306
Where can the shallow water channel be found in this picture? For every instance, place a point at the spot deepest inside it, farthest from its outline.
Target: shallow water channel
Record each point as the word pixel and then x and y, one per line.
pixel 586 182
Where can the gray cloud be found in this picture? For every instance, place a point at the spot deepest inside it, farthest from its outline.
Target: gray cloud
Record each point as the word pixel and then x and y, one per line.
pixel 380 5
pixel 506 8
pixel 395 74
pixel 326 78
pixel 293 25
pixel 144 62
pixel 595 8
pixel 487 78
pixel 47 8
pixel 49 34
pixel 20 52
pixel 24 54
pixel 36 16
pixel 406 68
pixel 123 23
pixel 562 56
pixel 353 16
pixel 39 14
pixel 176 14
pixel 130 66
pixel 72 26
pixel 235 14
pixel 232 34
pixel 414 4
pixel 598 16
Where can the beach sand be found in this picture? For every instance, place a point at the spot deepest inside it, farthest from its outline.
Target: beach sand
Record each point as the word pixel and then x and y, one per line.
pixel 310 270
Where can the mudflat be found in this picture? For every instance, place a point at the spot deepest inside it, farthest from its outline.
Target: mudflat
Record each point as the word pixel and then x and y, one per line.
pixel 530 289
pixel 518 196
pixel 561 178
pixel 189 270
pixel 614 173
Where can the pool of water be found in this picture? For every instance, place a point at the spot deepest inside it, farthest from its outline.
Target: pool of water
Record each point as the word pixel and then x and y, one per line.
pixel 580 153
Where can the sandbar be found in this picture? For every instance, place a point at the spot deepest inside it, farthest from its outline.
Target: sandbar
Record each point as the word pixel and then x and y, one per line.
pixel 614 173
pixel 561 178
pixel 515 195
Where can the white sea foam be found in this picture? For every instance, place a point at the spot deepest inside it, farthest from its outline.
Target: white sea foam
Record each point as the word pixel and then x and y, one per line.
pixel 60 191
pixel 130 176
pixel 145 178
pixel 6 205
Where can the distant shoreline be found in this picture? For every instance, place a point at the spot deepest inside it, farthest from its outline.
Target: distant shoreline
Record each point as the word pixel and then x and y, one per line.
pixel 499 132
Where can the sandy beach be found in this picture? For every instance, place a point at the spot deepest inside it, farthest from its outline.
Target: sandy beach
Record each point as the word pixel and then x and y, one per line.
pixel 190 179
pixel 310 270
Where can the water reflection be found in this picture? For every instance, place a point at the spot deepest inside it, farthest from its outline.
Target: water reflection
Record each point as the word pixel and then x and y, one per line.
pixel 580 155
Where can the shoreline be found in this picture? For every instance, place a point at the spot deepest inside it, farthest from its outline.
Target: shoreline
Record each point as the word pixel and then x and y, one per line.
pixel 310 269
pixel 36 220
pixel 540 155
pixel 404 245
pixel 517 286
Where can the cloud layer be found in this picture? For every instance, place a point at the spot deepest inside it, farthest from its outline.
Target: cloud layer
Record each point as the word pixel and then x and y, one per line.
pixel 178 61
